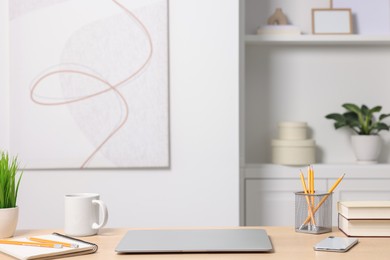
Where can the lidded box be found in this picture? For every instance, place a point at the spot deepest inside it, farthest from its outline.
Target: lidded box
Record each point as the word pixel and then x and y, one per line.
pixel 293 147
pixel 293 152
pixel 292 130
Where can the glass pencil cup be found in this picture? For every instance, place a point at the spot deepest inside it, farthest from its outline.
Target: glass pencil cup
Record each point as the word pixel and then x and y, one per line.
pixel 313 212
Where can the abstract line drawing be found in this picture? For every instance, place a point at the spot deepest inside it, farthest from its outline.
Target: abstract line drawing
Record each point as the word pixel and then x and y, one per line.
pixel 106 101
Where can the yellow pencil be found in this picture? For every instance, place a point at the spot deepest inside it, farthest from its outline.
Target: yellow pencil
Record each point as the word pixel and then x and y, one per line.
pixel 325 197
pixel 311 185
pixel 307 199
pixel 310 169
pixel 312 179
pixel 336 183
pixel 53 242
pixel 308 180
pixel 25 243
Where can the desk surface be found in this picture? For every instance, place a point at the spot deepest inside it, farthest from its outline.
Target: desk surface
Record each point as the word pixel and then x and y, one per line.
pixel 287 244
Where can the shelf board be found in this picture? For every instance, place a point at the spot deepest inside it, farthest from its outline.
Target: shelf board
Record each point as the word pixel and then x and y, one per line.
pixel 353 171
pixel 318 39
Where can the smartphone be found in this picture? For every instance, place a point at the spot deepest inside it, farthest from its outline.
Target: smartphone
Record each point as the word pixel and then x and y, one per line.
pixel 336 244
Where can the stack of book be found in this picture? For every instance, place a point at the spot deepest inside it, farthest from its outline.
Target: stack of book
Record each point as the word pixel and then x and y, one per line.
pixel 364 218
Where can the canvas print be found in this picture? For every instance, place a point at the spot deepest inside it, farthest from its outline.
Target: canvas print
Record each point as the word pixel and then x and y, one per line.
pixel 89 83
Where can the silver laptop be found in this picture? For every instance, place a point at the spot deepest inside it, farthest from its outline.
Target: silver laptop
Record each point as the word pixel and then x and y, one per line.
pixel 198 240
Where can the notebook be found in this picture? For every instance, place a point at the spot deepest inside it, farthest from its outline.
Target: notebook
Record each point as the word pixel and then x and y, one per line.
pixel 197 240
pixel 34 252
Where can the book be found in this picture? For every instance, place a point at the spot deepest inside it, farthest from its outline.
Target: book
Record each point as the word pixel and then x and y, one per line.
pixel 364 209
pixel 364 227
pixel 34 252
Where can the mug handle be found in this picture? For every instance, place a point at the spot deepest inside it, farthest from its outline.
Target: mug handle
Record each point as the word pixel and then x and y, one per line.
pixel 104 211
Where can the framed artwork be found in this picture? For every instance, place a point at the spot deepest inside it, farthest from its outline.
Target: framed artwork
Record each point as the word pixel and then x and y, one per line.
pixel 332 21
pixel 89 83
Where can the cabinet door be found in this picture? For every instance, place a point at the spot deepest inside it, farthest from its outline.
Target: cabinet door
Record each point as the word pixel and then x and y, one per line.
pixel 360 189
pixel 272 202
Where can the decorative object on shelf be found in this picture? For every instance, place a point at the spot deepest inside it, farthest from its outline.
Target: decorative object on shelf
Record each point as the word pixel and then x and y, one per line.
pixel 293 147
pixel 277 24
pixel 292 130
pixel 277 18
pixel 9 187
pixel 362 121
pixel 331 20
pixel 366 147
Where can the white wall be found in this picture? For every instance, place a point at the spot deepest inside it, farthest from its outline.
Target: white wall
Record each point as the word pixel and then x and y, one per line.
pixel 4 119
pixel 201 187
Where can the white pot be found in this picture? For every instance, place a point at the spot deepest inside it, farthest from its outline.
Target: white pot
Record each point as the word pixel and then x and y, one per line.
pixel 366 147
pixel 8 221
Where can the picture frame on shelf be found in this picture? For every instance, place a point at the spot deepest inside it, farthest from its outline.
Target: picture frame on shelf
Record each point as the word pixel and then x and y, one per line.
pixel 332 21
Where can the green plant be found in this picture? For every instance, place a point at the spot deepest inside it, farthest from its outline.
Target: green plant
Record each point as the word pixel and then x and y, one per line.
pixel 9 183
pixel 360 119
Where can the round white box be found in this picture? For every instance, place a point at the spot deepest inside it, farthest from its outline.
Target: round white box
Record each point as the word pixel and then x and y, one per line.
pixel 292 130
pixel 293 152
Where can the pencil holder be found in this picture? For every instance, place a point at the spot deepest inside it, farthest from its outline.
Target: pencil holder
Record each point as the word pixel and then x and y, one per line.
pixel 313 212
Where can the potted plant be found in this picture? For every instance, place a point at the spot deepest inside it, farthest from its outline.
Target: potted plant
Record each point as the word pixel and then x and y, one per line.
pixel 366 141
pixel 9 186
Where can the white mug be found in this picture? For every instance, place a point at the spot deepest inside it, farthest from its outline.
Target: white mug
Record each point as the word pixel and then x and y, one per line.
pixel 82 214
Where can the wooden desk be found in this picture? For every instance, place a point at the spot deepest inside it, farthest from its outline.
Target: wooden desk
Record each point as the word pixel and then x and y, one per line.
pixel 286 242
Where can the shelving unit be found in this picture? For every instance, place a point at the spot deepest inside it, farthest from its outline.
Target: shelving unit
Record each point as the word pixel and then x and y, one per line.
pixel 303 78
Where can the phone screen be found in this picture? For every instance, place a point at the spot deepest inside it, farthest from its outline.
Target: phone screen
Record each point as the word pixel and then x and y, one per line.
pixel 336 244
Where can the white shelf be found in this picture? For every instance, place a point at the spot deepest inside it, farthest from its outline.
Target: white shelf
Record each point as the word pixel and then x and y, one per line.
pixel 318 39
pixel 352 171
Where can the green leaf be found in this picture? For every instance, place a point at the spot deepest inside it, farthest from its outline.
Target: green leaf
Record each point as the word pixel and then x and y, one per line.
pixel 352 108
pixel 381 126
pixel 364 110
pixel 338 125
pixel 351 116
pixel 383 116
pixel 8 184
pixel 335 116
pixel 376 109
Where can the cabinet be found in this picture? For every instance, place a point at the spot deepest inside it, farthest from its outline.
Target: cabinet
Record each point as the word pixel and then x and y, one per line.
pixel 303 78
pixel 269 189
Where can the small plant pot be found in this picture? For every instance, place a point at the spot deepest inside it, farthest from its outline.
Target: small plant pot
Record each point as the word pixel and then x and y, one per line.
pixel 366 148
pixel 8 221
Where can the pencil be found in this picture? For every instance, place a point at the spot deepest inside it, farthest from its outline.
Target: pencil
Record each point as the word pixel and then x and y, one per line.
pixel 311 172
pixel 312 179
pixel 325 197
pixel 53 242
pixel 25 243
pixel 307 199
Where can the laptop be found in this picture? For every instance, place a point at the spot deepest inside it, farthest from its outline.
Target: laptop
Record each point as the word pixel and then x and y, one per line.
pixel 194 240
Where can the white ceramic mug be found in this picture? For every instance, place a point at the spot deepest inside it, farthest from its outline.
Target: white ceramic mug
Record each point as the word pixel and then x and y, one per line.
pixel 82 214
